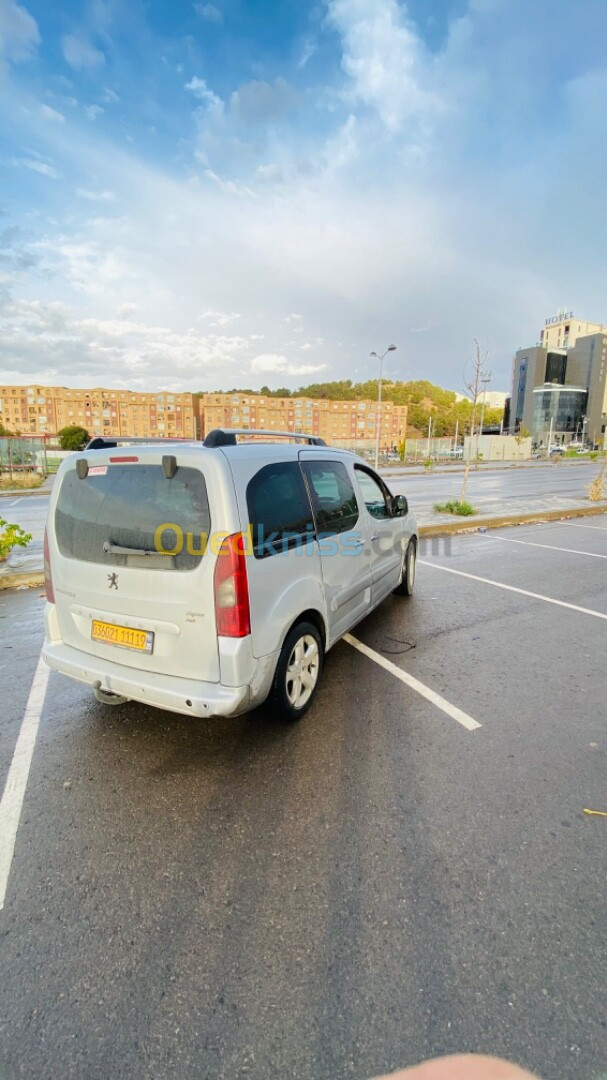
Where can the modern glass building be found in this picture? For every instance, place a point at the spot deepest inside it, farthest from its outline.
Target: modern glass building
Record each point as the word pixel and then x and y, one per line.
pixel 562 378
pixel 559 407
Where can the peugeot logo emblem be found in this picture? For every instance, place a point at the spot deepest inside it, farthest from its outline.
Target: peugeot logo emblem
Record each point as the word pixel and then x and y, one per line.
pixel 113 581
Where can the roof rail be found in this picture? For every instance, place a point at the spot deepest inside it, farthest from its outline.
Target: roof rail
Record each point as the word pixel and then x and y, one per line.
pixel 227 436
pixel 103 442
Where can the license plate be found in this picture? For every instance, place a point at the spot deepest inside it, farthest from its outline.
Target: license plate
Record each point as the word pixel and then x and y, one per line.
pixel 123 636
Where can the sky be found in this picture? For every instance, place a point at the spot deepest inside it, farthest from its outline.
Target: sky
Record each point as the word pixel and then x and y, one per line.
pixel 197 196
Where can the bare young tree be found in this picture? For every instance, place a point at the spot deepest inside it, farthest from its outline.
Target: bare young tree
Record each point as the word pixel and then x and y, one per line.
pixel 473 387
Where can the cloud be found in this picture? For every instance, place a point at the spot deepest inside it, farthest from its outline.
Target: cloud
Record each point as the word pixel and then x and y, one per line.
pixel 19 34
pixel 383 57
pixel 209 13
pixel 80 54
pixel 126 311
pixel 96 196
pixel 35 165
pixel 259 102
pixel 229 186
pixel 220 318
pixel 214 104
pixel 109 96
pixel 16 255
pixel 52 114
pixel 268 173
pixel 277 364
pixel 46 339
pixel 342 148
pixel 93 111
pixel 333 213
pixel 308 48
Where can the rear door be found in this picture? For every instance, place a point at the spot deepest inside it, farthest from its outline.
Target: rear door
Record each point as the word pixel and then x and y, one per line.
pixel 386 533
pixel 343 540
pixel 132 552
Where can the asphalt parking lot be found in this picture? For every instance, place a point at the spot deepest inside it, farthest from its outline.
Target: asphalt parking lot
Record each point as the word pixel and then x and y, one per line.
pixel 408 872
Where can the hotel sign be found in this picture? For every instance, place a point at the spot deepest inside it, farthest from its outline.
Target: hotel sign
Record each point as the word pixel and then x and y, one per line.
pixel 559 317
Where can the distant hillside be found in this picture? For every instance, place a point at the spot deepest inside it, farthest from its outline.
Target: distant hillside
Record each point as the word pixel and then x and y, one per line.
pixel 423 398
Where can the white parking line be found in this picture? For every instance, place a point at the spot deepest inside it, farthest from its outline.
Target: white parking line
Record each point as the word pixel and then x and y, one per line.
pixel 513 588
pixel 414 684
pixel 551 547
pixel 16 782
pixel 578 525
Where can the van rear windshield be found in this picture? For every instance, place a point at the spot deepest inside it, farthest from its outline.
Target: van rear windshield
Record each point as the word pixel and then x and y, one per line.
pixel 125 506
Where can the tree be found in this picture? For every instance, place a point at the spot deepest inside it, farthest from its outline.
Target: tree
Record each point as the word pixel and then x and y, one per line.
pixel 4 432
pixel 523 433
pixel 73 437
pixel 473 388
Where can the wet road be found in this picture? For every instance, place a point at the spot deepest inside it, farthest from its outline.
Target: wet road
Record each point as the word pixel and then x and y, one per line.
pixel 371 887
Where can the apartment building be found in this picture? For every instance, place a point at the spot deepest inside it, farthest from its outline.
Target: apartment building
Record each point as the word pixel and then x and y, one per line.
pixel 560 384
pixel 40 410
pixel 334 421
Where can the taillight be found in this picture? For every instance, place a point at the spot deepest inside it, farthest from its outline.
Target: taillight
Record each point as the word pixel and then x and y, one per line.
pixel 232 613
pixel 48 577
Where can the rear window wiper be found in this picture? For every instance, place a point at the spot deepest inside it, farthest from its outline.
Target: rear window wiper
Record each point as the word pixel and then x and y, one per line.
pixel 116 549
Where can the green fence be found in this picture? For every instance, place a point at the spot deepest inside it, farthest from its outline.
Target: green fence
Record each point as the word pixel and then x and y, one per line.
pixel 20 455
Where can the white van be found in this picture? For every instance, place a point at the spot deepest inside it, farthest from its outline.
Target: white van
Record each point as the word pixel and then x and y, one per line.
pixel 203 578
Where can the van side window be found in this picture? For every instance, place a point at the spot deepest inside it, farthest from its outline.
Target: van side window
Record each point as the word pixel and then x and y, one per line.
pixel 333 498
pixel 372 493
pixel 279 509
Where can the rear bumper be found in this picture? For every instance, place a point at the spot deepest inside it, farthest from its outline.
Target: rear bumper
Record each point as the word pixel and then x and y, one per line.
pixel 187 696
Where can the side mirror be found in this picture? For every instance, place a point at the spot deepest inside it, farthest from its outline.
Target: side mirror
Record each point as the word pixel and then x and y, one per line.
pixel 400 506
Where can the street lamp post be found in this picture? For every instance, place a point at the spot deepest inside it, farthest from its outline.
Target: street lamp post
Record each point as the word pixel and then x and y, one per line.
pixel 381 358
pixel 584 422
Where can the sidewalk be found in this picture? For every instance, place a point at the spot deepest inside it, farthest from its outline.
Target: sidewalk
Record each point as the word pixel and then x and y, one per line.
pixel 516 509
pixel 398 470
pixel 19 493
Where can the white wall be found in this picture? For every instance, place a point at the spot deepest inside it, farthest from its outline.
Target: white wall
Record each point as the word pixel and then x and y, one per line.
pixel 496 448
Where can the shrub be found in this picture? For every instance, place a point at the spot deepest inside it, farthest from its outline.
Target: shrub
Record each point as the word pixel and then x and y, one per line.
pixel 73 437
pixel 454 506
pixel 11 536
pixel 596 490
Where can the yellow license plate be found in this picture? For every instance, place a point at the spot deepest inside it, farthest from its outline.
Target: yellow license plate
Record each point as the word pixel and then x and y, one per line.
pixel 123 636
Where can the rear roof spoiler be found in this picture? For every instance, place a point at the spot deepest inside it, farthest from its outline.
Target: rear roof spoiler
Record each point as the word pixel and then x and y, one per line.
pixel 227 436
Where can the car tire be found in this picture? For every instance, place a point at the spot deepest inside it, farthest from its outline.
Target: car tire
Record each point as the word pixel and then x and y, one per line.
pixel 407 580
pixel 298 672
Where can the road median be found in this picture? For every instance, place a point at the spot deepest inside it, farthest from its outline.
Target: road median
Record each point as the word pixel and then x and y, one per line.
pixel 497 521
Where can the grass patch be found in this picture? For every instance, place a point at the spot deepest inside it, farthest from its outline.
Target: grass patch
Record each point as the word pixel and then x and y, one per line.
pixel 20 481
pixel 454 506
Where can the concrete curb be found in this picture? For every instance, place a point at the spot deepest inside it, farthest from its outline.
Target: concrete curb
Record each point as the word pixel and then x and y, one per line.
pixel 472 524
pixel 32 578
pixel 24 494
pixel 22 579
